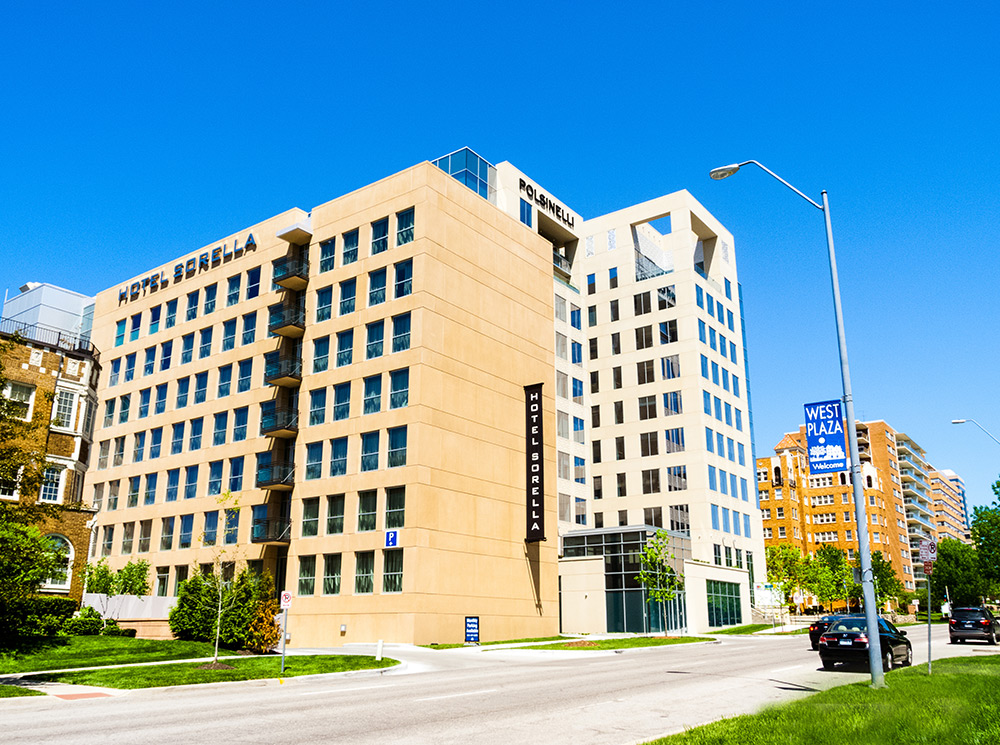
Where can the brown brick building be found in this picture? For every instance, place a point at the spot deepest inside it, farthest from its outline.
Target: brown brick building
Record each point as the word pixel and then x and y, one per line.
pixel 52 376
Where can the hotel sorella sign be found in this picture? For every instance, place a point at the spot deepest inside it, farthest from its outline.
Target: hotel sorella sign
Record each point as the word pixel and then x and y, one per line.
pixel 535 464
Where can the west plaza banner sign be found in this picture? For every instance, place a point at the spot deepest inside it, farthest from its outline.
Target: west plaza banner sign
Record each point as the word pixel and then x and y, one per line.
pixel 825 437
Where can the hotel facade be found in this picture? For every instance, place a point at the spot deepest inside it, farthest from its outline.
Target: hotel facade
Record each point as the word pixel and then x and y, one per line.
pixel 399 401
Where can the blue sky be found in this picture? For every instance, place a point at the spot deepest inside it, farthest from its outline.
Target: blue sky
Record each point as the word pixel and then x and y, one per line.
pixel 133 133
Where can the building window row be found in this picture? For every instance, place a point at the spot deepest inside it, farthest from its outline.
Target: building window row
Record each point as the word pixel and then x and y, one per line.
pixel 364 573
pixel 727 483
pixel 730 521
pixel 378 240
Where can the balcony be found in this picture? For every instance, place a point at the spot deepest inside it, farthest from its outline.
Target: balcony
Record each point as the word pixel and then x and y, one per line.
pixel 914 517
pixel 271 531
pixel 284 371
pixel 276 476
pixel 286 320
pixel 279 422
pixel 298 234
pixel 561 263
pixel 291 272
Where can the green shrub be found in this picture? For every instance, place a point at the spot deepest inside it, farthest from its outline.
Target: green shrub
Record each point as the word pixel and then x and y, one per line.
pixel 82 626
pixel 42 615
pixel 116 630
pixel 89 612
pixel 248 609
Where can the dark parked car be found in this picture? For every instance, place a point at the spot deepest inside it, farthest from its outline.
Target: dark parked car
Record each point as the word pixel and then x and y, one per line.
pixel 973 623
pixel 817 627
pixel 847 641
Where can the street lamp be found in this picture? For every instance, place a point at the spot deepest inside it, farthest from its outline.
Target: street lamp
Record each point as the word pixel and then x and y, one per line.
pixel 990 434
pixel 867 584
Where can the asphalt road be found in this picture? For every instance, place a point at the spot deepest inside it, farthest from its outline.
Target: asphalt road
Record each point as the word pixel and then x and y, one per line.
pixel 464 696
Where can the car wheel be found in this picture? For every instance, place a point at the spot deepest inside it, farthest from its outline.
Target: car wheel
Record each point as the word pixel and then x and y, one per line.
pixel 887 661
pixel 993 638
pixel 952 640
pixel 909 656
pixel 828 664
pixel 815 647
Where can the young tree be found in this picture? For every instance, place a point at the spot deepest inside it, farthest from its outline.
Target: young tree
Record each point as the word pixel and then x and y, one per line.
pixel 785 569
pixel 828 576
pixel 110 586
pixel 656 574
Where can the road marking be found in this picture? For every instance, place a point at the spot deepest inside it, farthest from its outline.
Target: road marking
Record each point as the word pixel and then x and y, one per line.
pixel 456 695
pixel 783 669
pixel 344 690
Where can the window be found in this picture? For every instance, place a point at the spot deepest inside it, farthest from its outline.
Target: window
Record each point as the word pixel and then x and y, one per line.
pixel 149 363
pixel 674 439
pixel 210 293
pixel 317 406
pixel 307 575
pixel 321 353
pixel 578 432
pixel 236 473
pixel 668 332
pixel 156 440
pixel 577 353
pixel 350 247
pixel 579 470
pixel 574 317
pixel 644 337
pixel 249 328
pixel 136 324
pixel 240 424
pixel 403 285
pixel 348 290
pixel 253 283
pixel 187 348
pixel 367 510
pixel 392 570
pixel 331 574
pixel 376 333
pixel 154 319
pixel 341 401
pixel 200 387
pixel 614 310
pixel 595 381
pixel 404 227
pixel 215 478
pixel 324 304
pixel 190 482
pixel 613 277
pixel 616 343
pixel 232 524
pixel 116 366
pixel 171 313
pixel 526 213
pixel 380 235
pixel 666 297
pixel 593 349
pixel 186 531
pixel 327 251
pixel 233 290
pixel 647 407
pixel 369 451
pixel 619 412
pixel 591 285
pixel 173 482
pixel 373 394
pixel 649 444
pixel 621 484
pixel 129 367
pixel 676 478
pixel 211 528
pixel 345 347
pixel 310 517
pixel 616 378
pixel 651 481
pixel 619 448
pixel 335 514
pixel 364 572
pixel 124 403
pixel 140 447
pixel 642 303
pixel 399 388
pixel 401 332
pixel 397 447
pixel 194 441
pixel 225 381
pixel 644 372
pixel 338 456
pixel 376 287
pixel 591 315
pixel 166 533
pixel 51 482
pixel 314 460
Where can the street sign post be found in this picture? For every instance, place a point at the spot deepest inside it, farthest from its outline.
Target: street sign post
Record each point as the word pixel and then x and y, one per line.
pixel 286 603
pixel 928 550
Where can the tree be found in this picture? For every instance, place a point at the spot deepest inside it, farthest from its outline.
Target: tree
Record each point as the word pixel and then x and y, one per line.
pixel 110 586
pixel 986 535
pixel 828 575
pixel 28 559
pixel 958 569
pixel 785 569
pixel 887 584
pixel 656 573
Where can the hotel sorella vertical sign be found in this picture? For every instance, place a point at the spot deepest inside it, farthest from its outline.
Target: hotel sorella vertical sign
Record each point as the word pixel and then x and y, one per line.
pixel 535 476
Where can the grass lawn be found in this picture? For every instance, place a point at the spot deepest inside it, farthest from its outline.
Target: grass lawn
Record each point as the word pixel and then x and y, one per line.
pixel 15 691
pixel 958 703
pixel 750 628
pixel 486 644
pixel 628 642
pixel 63 652
pixel 244 668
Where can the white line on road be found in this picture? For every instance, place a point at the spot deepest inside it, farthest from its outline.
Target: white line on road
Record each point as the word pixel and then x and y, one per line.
pixel 344 690
pixel 456 695
pixel 783 669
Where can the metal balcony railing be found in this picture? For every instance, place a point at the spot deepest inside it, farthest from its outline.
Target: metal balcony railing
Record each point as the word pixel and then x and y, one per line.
pixel 271 531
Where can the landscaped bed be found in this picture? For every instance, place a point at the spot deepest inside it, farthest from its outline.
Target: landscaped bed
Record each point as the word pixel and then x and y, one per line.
pixel 63 652
pixel 242 668
pixel 16 691
pixel 958 703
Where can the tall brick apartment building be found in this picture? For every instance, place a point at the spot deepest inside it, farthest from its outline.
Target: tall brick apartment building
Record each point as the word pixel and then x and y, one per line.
pixel 52 375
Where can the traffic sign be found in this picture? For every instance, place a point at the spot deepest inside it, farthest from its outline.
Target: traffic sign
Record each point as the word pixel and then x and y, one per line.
pixel 928 568
pixel 928 550
pixel 286 600
pixel 391 538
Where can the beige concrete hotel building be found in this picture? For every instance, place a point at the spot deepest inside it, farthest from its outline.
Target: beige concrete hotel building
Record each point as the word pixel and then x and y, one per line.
pixel 343 397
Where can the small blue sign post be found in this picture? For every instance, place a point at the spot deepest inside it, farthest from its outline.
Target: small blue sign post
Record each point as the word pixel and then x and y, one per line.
pixel 825 437
pixel 472 629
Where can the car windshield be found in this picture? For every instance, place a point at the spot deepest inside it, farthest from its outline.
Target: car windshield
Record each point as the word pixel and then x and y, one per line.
pixel 849 625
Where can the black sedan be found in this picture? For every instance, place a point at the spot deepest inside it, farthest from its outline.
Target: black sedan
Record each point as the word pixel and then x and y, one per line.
pixel 847 641
pixel 817 627
pixel 973 623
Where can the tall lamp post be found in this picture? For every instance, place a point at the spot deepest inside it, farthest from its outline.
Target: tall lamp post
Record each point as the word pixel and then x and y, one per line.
pixel 867 580
pixel 988 433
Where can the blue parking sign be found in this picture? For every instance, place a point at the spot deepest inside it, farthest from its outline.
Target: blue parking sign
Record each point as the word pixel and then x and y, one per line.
pixel 825 437
pixel 472 629
pixel 391 538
